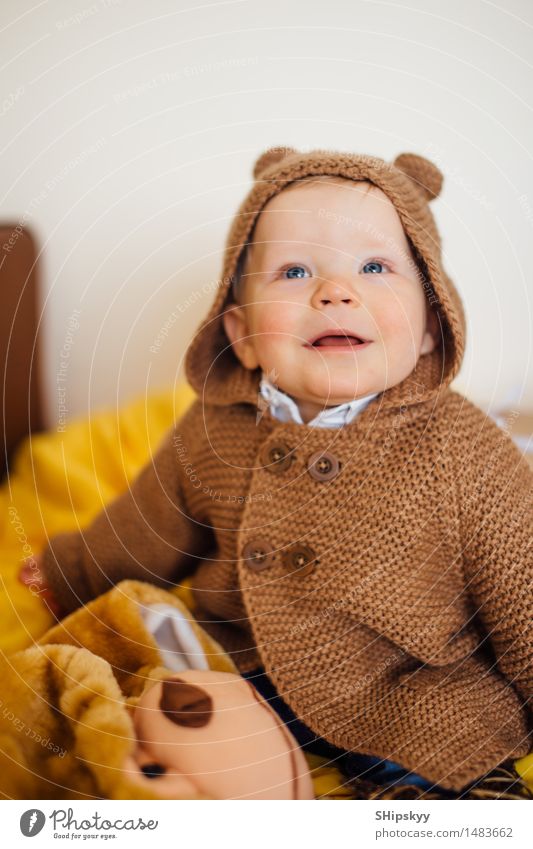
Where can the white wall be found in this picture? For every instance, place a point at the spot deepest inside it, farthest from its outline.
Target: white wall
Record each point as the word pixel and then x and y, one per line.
pixel 128 132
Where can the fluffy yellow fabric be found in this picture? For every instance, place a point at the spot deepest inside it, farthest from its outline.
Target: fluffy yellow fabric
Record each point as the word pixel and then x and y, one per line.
pixel 524 768
pixel 59 481
pixel 61 705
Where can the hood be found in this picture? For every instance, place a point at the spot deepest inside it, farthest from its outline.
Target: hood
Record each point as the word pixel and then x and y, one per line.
pixel 411 181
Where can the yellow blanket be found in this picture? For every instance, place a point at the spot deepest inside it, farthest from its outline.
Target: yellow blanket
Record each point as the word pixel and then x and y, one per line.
pixel 59 481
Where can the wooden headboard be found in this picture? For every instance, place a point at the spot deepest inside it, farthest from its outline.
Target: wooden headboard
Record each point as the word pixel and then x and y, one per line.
pixel 22 411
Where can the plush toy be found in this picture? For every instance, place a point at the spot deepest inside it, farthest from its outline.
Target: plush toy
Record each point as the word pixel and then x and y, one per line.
pixel 129 698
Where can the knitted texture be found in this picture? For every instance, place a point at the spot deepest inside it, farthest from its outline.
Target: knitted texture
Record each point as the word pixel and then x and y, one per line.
pixel 389 601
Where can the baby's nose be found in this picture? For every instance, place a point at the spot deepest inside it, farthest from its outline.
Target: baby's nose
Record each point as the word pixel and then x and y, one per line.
pixel 332 291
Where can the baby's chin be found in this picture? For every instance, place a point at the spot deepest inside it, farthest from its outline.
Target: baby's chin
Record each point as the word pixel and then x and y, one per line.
pixel 332 396
pixel 326 401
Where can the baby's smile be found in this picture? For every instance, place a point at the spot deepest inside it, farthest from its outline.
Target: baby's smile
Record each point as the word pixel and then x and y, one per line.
pixel 333 303
pixel 337 341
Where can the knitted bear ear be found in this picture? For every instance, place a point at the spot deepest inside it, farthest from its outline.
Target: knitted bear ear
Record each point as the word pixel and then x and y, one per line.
pixel 270 157
pixel 422 172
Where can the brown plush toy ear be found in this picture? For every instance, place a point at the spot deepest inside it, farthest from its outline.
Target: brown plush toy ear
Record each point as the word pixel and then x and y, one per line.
pixel 422 172
pixel 270 157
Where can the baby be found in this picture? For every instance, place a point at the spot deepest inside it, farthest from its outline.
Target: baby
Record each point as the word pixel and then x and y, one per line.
pixel 357 535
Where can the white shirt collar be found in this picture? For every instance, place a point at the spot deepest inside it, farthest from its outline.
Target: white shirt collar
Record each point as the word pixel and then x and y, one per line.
pixel 285 409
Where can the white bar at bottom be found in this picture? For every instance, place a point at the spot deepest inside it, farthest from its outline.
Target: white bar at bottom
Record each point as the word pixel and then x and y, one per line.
pixel 324 823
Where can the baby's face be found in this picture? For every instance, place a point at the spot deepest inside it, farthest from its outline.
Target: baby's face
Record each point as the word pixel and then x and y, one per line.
pixel 330 257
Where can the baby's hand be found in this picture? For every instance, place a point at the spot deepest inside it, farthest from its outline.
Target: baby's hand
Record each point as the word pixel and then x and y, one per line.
pixel 31 575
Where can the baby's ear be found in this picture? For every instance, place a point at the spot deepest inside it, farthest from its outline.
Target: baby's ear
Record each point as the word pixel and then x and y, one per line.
pixel 236 328
pixel 271 156
pixel 422 172
pixel 432 332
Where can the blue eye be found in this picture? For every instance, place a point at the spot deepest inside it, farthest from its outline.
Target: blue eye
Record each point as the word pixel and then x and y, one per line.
pixel 295 271
pixel 374 267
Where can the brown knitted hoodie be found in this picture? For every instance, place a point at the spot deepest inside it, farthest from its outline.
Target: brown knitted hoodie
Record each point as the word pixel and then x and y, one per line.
pixel 381 572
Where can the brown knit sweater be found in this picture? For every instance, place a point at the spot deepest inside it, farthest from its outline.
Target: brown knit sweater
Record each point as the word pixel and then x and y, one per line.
pixel 380 572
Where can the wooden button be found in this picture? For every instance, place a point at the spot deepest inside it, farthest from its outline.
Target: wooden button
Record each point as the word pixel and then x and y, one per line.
pixel 323 466
pixel 300 559
pixel 257 554
pixel 277 457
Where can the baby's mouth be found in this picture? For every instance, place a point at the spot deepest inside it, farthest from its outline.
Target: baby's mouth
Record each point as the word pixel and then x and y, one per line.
pixel 330 341
pixel 337 339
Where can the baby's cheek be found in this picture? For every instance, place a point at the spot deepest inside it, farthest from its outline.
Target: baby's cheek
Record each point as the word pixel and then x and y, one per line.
pixel 271 353
pixel 275 326
pixel 398 325
pixel 269 317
